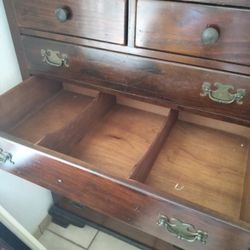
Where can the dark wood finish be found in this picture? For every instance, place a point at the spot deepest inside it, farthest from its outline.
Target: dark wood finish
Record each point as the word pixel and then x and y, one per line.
pixel 8 5
pixel 25 98
pixel 127 201
pixel 112 224
pixel 178 28
pixel 245 208
pixel 172 83
pixel 108 139
pixel 130 49
pixel 141 170
pixel 103 20
pixel 63 139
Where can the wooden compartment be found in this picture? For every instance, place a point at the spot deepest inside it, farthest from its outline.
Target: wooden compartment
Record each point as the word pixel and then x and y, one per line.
pixel 202 162
pixel 50 116
pixel 109 136
pixel 205 166
pixel 128 159
pixel 50 108
pixel 119 140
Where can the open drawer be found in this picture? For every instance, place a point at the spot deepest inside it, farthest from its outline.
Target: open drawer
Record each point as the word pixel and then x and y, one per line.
pixel 176 179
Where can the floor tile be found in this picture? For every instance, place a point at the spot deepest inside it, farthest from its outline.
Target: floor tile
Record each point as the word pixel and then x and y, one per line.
pixel 81 236
pixel 104 241
pixel 53 242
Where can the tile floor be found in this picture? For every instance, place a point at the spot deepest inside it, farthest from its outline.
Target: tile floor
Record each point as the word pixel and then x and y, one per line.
pixel 55 237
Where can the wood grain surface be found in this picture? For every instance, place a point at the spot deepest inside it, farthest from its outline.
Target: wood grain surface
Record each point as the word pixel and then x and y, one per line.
pixel 52 116
pixel 172 84
pixel 142 169
pixel 118 141
pixel 149 50
pixel 204 166
pixel 103 20
pixel 131 202
pixel 19 102
pixel 72 132
pixel 178 28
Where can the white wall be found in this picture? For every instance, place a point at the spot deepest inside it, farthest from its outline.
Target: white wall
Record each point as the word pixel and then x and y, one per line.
pixel 27 202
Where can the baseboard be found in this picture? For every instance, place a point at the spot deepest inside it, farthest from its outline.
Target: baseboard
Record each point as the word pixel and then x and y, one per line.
pixel 42 226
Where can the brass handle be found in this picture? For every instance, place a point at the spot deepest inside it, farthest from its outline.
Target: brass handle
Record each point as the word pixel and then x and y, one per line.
pixel 62 14
pixel 210 36
pixel 54 58
pixel 223 93
pixel 182 230
pixel 5 156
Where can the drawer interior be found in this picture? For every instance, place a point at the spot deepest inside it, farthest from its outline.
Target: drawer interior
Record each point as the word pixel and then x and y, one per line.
pixel 92 127
pixel 118 140
pixel 197 160
pixel 50 116
pixel 202 165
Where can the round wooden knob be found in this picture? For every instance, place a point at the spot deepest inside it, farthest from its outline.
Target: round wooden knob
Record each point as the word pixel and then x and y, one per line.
pixel 210 36
pixel 62 14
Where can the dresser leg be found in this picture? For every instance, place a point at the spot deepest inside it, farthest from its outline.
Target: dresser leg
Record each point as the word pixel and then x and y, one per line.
pixel 63 218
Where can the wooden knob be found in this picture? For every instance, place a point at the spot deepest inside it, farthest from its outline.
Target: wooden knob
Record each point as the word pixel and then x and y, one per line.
pixel 62 14
pixel 210 36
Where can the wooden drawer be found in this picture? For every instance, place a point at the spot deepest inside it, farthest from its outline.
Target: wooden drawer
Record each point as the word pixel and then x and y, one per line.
pixel 176 84
pixel 108 223
pixel 179 28
pixel 122 159
pixel 103 20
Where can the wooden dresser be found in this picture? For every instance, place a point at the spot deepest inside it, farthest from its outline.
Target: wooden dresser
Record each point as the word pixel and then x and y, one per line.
pixel 138 109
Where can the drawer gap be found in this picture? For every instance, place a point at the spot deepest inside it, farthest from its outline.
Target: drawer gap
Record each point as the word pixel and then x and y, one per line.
pixel 245 207
pixel 142 169
pixel 64 139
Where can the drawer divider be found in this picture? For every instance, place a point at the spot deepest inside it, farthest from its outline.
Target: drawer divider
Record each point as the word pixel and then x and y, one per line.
pixel 141 170
pixel 65 138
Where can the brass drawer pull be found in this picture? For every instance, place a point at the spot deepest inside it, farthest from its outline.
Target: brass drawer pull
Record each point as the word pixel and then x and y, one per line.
pixel 5 156
pixel 54 58
pixel 182 230
pixel 222 93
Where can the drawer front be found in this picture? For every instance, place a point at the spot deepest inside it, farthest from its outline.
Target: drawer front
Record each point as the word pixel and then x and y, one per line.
pixel 211 91
pixel 124 200
pixel 197 30
pixel 103 20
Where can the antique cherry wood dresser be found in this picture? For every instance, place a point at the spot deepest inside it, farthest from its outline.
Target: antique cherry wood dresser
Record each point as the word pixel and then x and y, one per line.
pixel 138 110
